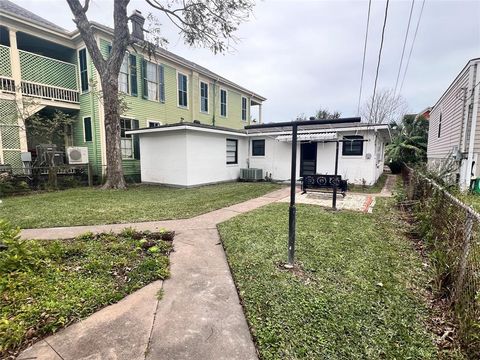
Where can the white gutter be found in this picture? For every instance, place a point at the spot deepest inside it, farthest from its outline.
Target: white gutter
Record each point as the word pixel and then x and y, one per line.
pixel 476 98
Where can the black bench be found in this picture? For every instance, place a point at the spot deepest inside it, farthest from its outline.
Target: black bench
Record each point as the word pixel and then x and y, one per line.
pixel 324 182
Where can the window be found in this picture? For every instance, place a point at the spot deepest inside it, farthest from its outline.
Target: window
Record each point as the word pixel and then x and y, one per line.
pixel 440 126
pixel 123 76
pixel 258 147
pixel 354 147
pixel 232 151
pixel 82 59
pixel 223 102
pixel 182 90
pixel 153 83
pixel 129 143
pixel 244 108
pixel 203 97
pixel 87 129
pixel 133 74
pixel 154 124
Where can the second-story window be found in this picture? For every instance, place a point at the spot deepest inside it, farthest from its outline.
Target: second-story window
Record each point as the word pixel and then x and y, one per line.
pixel 204 97
pixel 150 81
pixel 123 76
pixel 182 90
pixel 223 102
pixel 82 62
pixel 244 108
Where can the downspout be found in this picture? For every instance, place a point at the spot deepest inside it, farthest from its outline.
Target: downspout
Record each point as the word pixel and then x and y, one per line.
pixel 476 92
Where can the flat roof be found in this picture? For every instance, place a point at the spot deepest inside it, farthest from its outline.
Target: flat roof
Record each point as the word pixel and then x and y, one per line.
pixel 260 131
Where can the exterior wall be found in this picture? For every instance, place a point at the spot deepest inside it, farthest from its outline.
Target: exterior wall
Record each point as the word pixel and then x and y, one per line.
pixel 277 160
pixel 206 158
pixel 353 168
pixel 165 158
pixel 182 158
pixel 451 109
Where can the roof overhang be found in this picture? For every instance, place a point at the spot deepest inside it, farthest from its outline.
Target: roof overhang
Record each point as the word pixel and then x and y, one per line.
pixel 189 127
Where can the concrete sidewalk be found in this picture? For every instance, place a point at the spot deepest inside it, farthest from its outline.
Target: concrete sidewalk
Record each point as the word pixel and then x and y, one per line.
pixel 199 317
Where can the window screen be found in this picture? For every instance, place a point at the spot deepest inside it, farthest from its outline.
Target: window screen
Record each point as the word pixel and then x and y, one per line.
pixel 258 147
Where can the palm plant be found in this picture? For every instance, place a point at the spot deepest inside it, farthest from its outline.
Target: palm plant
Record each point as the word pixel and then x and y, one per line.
pixel 409 141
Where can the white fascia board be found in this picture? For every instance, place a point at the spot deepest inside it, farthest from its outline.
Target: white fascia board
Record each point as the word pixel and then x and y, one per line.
pixel 363 128
pixel 185 127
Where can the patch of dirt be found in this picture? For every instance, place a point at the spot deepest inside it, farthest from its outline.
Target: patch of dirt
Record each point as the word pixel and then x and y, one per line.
pixel 298 271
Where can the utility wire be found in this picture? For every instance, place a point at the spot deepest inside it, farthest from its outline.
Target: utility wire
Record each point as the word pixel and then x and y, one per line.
pixel 404 46
pixel 411 49
pixel 379 57
pixel 364 55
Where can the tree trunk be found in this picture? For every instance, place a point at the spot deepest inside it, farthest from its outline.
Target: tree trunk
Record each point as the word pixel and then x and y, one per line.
pixel 115 179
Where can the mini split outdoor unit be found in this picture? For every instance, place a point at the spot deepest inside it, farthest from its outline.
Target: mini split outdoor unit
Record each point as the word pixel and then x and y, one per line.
pixel 251 174
pixel 77 155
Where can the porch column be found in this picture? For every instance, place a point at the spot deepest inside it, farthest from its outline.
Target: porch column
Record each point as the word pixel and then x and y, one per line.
pixel 17 77
pixel 260 113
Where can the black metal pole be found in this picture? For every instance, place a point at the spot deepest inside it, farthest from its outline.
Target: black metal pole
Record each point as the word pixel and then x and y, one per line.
pixel 292 210
pixel 334 200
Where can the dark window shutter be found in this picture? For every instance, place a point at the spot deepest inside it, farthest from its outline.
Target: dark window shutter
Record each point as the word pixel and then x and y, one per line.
pixel 133 75
pixel 144 79
pixel 87 128
pixel 136 141
pixel 161 83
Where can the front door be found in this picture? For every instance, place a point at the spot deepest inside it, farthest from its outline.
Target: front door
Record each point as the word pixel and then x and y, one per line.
pixel 308 159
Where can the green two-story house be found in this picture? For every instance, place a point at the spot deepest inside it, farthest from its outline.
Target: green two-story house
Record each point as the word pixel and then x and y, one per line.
pixel 51 68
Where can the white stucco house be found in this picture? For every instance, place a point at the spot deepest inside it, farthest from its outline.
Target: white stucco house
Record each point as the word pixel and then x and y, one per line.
pixel 190 154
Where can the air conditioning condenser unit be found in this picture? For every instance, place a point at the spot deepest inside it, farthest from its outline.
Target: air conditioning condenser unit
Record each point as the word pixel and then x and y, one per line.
pixel 77 155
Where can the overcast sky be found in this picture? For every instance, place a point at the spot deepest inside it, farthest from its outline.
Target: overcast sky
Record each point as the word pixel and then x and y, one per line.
pixel 302 55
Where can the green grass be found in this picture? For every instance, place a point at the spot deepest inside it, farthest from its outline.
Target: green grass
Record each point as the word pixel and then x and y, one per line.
pixel 355 295
pixel 48 285
pixel 372 189
pixel 91 206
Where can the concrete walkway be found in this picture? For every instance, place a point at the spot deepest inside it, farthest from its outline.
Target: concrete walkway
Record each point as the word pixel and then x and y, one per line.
pixel 199 316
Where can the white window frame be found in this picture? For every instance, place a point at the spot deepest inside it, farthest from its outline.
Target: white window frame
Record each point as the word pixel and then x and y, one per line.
pixel 130 138
pixel 200 95
pixel 127 57
pixel 154 122
pixel 226 102
pixel 157 82
pixel 188 86
pixel 246 108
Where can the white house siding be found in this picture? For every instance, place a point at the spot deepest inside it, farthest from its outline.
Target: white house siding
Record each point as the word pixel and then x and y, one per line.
pixel 164 158
pixel 356 169
pixel 206 158
pixel 277 160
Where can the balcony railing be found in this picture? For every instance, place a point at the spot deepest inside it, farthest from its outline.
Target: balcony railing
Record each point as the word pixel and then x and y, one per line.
pixel 49 92
pixel 42 77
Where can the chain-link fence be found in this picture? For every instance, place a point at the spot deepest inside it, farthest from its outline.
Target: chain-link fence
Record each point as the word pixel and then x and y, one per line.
pixel 450 230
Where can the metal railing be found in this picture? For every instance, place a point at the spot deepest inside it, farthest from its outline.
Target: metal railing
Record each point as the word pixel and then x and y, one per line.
pixel 451 232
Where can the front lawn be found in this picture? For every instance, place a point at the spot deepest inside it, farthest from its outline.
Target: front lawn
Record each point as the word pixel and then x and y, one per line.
pixel 91 206
pixel 47 285
pixel 354 294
